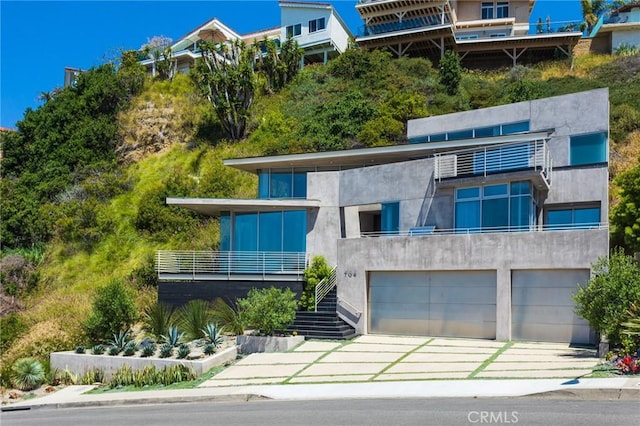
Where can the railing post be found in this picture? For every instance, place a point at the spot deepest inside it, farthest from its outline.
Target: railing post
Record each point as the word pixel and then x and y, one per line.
pixel 229 265
pixel 193 265
pixel 264 266
pixel 485 162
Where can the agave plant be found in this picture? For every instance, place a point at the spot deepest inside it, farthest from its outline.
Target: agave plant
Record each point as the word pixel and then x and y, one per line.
pixel 28 374
pixel 183 351
pixel 166 351
pixel 173 336
pixel 213 333
pixel 120 340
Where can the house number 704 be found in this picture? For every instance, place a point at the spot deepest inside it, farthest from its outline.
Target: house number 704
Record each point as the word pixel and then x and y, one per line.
pixel 349 274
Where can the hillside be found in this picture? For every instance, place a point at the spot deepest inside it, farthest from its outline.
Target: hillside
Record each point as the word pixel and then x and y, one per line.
pixel 80 214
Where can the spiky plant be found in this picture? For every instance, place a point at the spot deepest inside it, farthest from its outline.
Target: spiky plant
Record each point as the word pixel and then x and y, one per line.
pixel 209 349
pixel 173 336
pixel 80 349
pixel 113 350
pixel 28 374
pixel 120 340
pixel 183 351
pixel 97 349
pixel 213 334
pixel 193 317
pixel 130 349
pixel 166 351
pixel 230 316
pixel 157 318
pixel 148 350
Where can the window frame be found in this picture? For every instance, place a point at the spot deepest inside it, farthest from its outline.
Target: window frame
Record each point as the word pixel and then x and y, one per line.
pixel 572 209
pixel 293 30
pixel 315 24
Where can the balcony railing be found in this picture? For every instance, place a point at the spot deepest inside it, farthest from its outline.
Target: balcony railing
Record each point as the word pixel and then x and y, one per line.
pixel 196 264
pixel 438 232
pixel 533 155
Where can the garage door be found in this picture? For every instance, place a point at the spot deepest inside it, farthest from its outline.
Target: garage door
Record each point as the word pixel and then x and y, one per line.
pixel 542 306
pixel 435 303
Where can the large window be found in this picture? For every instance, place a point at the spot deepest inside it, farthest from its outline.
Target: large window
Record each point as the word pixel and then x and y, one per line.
pixel 502 9
pixel 492 10
pixel 478 132
pixel 487 10
pixel 282 183
pixel 588 149
pixel 316 25
pixel 572 218
pixel 501 207
pixel 283 231
pixel 294 30
pixel 390 220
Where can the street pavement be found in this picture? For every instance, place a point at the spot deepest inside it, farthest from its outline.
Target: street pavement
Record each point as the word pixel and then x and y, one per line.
pixel 386 367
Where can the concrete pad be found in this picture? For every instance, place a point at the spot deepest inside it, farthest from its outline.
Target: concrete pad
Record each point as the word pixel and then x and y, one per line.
pixel 589 353
pixel 441 357
pixel 541 345
pixel 422 376
pixel 317 346
pixel 507 357
pixel 333 369
pixel 504 366
pixel 392 340
pixel 456 349
pixel 252 371
pixel 362 357
pixel 474 343
pixel 432 367
pixel 534 374
pixel 213 383
pixel 275 358
pixel 332 379
pixel 367 347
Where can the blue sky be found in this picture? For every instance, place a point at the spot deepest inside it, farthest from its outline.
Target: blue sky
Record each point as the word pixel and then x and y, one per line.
pixel 38 39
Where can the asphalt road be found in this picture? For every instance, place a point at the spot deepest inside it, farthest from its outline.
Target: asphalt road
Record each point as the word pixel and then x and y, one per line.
pixel 441 412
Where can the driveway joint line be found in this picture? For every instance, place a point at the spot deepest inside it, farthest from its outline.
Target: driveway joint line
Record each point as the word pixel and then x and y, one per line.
pixel 326 354
pixel 490 360
pixel 375 376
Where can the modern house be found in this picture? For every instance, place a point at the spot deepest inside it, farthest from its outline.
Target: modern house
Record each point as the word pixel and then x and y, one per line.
pixel 482 32
pixel 482 226
pixel 619 27
pixel 316 27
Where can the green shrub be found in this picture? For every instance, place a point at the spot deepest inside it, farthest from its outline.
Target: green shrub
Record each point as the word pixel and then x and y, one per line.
pixel 231 317
pixel 92 376
pixel 166 351
pixel 157 319
pixel 626 49
pixel 80 349
pixel 148 350
pixel 269 309
pixel 193 317
pixel 130 348
pixel 113 350
pixel 316 272
pixel 450 72
pixel 12 327
pixel 209 349
pixel 113 310
pixel 28 374
pixel 97 349
pixel 608 296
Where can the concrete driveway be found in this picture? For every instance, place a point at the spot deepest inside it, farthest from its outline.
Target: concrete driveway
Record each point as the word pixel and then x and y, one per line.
pixel 375 358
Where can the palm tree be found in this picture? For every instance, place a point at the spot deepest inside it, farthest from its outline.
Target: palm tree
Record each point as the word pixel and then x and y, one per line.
pixel 592 10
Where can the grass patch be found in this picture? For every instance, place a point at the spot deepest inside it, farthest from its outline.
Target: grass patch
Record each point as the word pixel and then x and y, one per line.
pixel 402 358
pixel 489 360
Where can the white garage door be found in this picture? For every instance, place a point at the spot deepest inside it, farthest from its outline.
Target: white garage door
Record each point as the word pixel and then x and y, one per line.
pixel 542 306
pixel 435 303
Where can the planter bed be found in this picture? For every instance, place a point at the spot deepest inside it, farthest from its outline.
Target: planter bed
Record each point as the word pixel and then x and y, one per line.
pixel 80 364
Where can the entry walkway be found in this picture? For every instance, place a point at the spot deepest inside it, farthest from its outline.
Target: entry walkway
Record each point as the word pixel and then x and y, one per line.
pixel 374 358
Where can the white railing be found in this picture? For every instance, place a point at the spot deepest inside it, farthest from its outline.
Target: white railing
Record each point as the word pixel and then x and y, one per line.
pixel 433 231
pixel 196 263
pixel 324 287
pixel 495 159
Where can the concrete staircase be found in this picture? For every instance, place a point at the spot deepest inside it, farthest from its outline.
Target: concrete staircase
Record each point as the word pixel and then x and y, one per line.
pixel 324 324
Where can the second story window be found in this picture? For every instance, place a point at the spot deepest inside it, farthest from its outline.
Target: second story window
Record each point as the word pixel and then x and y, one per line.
pixel 502 9
pixel 316 25
pixel 491 10
pixel 294 30
pixel 487 10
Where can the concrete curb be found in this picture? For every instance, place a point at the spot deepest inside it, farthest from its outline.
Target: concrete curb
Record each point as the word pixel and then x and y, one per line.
pixel 623 394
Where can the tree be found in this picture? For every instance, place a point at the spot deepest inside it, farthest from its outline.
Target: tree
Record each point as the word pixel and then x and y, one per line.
pixel 591 11
pixel 606 300
pixel 159 49
pixel 278 67
pixel 625 220
pixel 450 72
pixel 113 310
pixel 224 76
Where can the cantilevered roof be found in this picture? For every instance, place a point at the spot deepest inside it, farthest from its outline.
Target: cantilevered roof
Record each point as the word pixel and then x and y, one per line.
pixel 374 156
pixel 533 41
pixel 214 206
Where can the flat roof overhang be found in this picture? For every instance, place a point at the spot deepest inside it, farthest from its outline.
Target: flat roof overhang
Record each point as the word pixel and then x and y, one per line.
pixel 374 156
pixel 376 8
pixel 406 36
pixel 215 206
pixel 530 41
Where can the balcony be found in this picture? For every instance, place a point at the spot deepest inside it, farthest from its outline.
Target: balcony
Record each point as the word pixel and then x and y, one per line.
pixel 533 156
pixel 230 265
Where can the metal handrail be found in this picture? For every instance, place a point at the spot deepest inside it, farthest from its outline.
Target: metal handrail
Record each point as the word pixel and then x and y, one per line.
pixel 194 263
pixel 324 287
pixel 494 159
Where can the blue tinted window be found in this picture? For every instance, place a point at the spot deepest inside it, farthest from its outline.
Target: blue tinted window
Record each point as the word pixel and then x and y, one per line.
pixel 588 149
pixel 439 137
pixel 281 185
pixel 263 185
pixel 225 232
pixel 270 231
pixel 520 127
pixel 419 139
pixel 495 213
pixel 559 218
pixel 390 221
pixel 587 216
pixel 484 132
pixel 493 190
pixel 299 185
pixel 468 215
pixel 294 237
pixel 521 187
pixel 463 134
pixel 468 193
pixel 245 237
pixel 520 214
